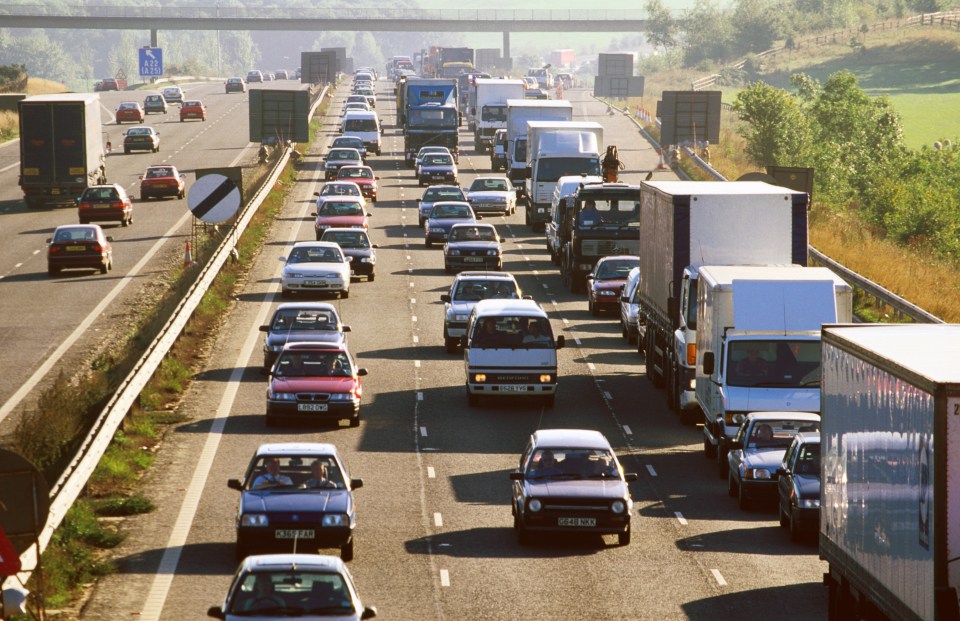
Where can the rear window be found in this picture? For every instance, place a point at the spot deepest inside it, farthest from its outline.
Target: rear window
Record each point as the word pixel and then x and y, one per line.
pixel 443 194
pixel 361 125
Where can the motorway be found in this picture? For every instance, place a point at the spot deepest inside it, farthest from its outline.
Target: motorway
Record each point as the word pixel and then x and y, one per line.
pixel 55 323
pixel 435 539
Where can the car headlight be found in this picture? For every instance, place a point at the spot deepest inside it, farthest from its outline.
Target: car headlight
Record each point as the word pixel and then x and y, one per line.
pixel 453 252
pixel 274 348
pixel 546 378
pixel 492 253
pixel 283 396
pixel 606 292
pixel 368 260
pixel 758 473
pixel 534 505
pixel 254 519
pixel 809 503
pixel 335 519
pixel 480 378
pixel 734 418
pixel 618 506
pixel 342 396
pixel 460 317
pixel 323 227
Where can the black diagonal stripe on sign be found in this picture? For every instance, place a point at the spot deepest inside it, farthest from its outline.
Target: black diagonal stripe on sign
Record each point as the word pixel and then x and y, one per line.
pixel 219 193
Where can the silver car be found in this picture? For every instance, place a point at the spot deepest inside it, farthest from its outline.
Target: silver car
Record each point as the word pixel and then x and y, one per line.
pixel 492 194
pixel 318 267
pixel 436 194
pixel 467 289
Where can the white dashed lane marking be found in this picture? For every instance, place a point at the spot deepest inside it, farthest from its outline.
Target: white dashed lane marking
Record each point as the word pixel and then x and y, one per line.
pixel 437 520
pixel 423 431
pixel 445 578
pixel 718 577
pixel 626 430
pixel 431 473
pixel 680 518
pixel 650 469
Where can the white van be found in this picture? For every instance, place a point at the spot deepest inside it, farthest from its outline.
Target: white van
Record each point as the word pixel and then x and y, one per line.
pixel 509 350
pixel 560 209
pixel 365 125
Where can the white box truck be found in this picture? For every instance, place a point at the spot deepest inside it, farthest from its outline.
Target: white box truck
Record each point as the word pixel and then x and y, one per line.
pixel 685 225
pixel 519 111
pixel 556 149
pixel 890 471
pixel 758 343
pixel 490 110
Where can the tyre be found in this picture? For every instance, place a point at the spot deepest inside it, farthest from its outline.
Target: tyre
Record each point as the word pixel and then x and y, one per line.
pixel 104 268
pixel 345 294
pixel 371 277
pixel 53 271
pixel 270 421
pixel 126 151
pixel 421 222
pixel 427 243
pixel 594 311
pixel 731 485
pixel 182 194
pixel 743 501
pixel 623 329
pixel 624 538
pixel 447 269
pixel 795 533
pixel 722 466
pixel 346 551
pixel 125 222
pixel 709 450
pixel 451 344
pixel 784 520
pixel 144 197
pixel 523 537
pixel 355 421
pixel 472 399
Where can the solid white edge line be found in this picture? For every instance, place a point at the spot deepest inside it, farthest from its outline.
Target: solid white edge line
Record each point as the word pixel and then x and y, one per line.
pixel 718 577
pixel 650 469
pixel 419 394
pixel 444 578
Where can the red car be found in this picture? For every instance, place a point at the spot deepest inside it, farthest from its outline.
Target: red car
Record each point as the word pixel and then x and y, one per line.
pixel 606 283
pixel 340 212
pixel 363 176
pixel 160 181
pixel 79 245
pixel 193 109
pixel 315 381
pixel 130 112
pixel 105 203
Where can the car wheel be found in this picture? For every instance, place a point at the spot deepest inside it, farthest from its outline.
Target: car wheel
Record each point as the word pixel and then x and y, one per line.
pixel 451 344
pixel 447 269
pixel 731 485
pixel 346 551
pixel 345 294
pixel 126 151
pixel 523 537
pixel 472 399
pixel 623 328
pixel 624 537
pixel 270 421
pixel 421 222
pixel 743 501
pixel 104 268
pixel 795 533
pixel 53 271
pixel 181 119
pixel 594 311
pixel 319 236
pixel 355 421
pixel 427 243
pixel 124 222
pixel 156 149
pixel 285 293
pixel 784 520
pixel 722 466
pixel 709 450
pixel 371 277
pixel 144 197
pixel 181 194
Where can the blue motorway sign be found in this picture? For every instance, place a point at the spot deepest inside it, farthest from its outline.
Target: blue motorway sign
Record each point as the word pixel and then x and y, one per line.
pixel 151 61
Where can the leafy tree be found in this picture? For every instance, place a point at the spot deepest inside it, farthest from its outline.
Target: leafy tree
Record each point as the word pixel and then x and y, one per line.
pixel 774 126
pixel 757 25
pixel 709 34
pixel 661 27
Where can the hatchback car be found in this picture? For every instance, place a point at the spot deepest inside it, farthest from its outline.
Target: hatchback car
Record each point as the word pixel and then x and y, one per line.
pixel 296 496
pixel 758 449
pixel 173 94
pixel 472 246
pixel 193 109
pixel 105 203
pixel 798 483
pixel 83 246
pixel 356 99
pixel 235 85
pixel 340 188
pixel 315 267
pixel 306 586
pixel 605 284
pixel 280 74
pixel 364 177
pixel 154 103
pixel 254 76
pixel 570 481
pixel 141 139
pixel 335 159
pixel 108 84
pixel 355 243
pixel 315 382
pixel 437 168
pixel 355 106
pixel 493 194
pixel 442 218
pixel 467 289
pixel 162 180
pixel 129 112
pixel 297 322
pixel 339 212
pixel 350 142
pixel 435 194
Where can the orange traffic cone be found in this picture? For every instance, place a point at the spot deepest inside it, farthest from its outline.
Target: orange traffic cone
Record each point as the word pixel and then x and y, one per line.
pixel 187 259
pixel 661 165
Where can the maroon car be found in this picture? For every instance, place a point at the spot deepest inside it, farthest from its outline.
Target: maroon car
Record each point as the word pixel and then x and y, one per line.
pixel 606 283
pixel 79 245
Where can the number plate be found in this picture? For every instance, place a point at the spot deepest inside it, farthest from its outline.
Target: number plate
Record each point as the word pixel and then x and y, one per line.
pixel 315 283
pixel 76 248
pixel 311 407
pixel 55 191
pixel 473 259
pixel 294 534
pixel 576 521
pixel 513 388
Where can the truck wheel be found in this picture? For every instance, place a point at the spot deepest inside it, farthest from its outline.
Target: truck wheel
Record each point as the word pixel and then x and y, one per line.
pixel 709 450
pixel 722 466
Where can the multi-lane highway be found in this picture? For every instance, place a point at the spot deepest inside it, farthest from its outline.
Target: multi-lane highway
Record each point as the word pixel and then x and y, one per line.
pixel 435 538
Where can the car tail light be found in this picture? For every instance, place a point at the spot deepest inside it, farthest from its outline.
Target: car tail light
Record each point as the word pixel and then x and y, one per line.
pixel 85 205
pixel 54 249
pixel 116 205
pixel 96 248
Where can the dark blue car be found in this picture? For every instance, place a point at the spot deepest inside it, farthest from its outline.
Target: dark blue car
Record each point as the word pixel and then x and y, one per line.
pixel 799 485
pixel 442 218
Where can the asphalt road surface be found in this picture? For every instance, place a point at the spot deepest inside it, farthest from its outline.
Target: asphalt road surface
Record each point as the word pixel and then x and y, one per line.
pixel 435 538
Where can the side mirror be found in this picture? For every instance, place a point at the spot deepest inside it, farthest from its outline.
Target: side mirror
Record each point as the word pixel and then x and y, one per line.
pixel 317 194
pixel 264 328
pixel 369 612
pixel 445 298
pixel 346 329
pixel 216 612
pixel 109 238
pixel 369 215
pixel 708 363
pixel 479 217
pixel 283 259
pixel 375 246
pixel 376 178
pixel 528 297
pixel 356 483
pixel 630 477
pixel 49 240
pixel 516 476
pixel 561 342
pixel 313 213
pixel 361 372
pixel 625 300
pixel 781 472
pixel 236 484
pixel 140 177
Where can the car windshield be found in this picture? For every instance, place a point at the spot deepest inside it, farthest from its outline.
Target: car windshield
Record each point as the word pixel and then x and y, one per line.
pixel 171 91
pixel 488 185
pixel 616 269
pixel 433 195
pixel 451 211
pixel 476 290
pixel 438 160
pixel 292 319
pixel 340 208
pixel 774 364
pixel 425 151
pixel 512 332
pixel 340 189
pixel 153 173
pixel 348 141
pixel 99 194
pixel 343 154
pixel 549 169
pixel 293 593
pixel 608 213
pixel 766 434
pixel 360 125
pixel 295 471
pixel 473 233
pixel 75 234
pixel 572 463
pixel 187 104
pixel 311 254
pixel 356 173
pixel 154 98
pixel 312 364
pixel 433 117
pixel 520 150
pixel 347 239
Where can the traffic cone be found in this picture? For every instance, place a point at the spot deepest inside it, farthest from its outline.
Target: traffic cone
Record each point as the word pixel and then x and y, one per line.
pixel 187 259
pixel 661 165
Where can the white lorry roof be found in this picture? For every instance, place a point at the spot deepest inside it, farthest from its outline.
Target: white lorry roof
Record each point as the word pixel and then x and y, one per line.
pixel 929 350
pixel 704 188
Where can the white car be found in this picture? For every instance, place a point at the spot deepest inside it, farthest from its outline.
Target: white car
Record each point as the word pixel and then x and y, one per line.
pixel 355 106
pixel 315 267
pixel 492 194
pixel 173 94
pixel 306 586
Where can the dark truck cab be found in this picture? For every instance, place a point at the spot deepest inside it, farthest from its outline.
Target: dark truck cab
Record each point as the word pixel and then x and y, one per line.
pixel 604 221
pixel 431 116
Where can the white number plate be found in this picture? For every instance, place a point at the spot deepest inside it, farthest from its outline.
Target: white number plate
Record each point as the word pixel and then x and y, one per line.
pixel 315 283
pixel 513 388
pixel 294 534
pixel 311 407
pixel 576 521
pixel 473 259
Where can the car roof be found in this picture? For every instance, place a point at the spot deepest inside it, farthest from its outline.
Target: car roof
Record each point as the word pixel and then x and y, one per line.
pixel 443 187
pixel 807 437
pixel 529 308
pixel 361 114
pixel 357 151
pixel 316 244
pixel 332 198
pixel 569 438
pixel 356 166
pixel 491 177
pixel 314 346
pixel 619 257
pixel 342 182
pixel 307 562
pixel 325 306
pixel 478 275
pixel 474 225
pixel 299 448
pixel 464 203
pixel 78 226
pixel 801 416
pixel 346 229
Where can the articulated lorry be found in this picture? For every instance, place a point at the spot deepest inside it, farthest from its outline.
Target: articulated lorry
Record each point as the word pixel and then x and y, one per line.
pixel 890 471
pixel 519 111
pixel 61 147
pixel 488 107
pixel 556 149
pixel 431 116
pixel 758 343
pixel 688 224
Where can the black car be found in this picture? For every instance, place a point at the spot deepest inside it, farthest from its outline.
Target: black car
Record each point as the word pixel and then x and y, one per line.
pixel 355 244
pixel 799 485
pixel 570 481
pixel 296 497
pixel 298 322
